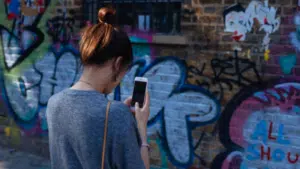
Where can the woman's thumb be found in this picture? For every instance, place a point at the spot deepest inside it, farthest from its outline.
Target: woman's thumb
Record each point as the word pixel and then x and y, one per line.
pixel 137 106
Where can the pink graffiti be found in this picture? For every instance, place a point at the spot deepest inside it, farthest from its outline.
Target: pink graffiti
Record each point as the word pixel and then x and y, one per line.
pixel 284 98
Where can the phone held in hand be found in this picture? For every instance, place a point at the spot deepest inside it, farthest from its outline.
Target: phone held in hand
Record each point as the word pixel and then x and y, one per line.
pixel 139 91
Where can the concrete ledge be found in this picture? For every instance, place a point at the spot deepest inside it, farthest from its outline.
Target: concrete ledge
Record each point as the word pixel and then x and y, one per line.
pixel 169 39
pixel 160 39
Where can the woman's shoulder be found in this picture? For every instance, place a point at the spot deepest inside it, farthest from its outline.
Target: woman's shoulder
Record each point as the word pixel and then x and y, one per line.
pixel 121 113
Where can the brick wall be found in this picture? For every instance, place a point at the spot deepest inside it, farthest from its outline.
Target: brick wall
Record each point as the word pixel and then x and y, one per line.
pixel 203 70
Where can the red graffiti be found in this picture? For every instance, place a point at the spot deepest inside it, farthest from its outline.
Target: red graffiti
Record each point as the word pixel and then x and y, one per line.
pixel 292 161
pixel 262 153
pixel 270 132
pixel 285 99
pixel 11 16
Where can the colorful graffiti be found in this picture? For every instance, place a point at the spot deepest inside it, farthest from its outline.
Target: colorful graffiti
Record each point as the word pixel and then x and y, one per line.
pixel 28 83
pixel 23 37
pixel 288 62
pixel 31 78
pixel 177 109
pixel 295 36
pixel 141 45
pixel 240 21
pixel 257 129
pixel 227 73
pixel 39 57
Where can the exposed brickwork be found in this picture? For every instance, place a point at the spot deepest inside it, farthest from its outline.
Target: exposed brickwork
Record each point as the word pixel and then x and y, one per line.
pixel 203 25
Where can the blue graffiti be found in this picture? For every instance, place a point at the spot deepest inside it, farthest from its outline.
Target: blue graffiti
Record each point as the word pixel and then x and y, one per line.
pixel 287 63
pixel 176 107
pixel 28 96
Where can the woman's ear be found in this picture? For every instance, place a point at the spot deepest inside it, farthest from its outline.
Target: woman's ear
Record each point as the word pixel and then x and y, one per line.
pixel 118 63
pixel 117 67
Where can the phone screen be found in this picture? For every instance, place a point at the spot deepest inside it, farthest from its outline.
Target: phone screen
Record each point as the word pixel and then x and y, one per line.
pixel 139 93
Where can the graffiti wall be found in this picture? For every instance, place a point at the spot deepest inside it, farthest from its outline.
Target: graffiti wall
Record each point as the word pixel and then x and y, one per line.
pixel 258 127
pixel 228 99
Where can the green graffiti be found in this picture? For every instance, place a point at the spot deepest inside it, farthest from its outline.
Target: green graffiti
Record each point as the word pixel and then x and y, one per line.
pixel 163 155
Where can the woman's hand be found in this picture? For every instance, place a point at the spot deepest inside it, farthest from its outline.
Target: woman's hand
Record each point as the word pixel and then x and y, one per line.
pixel 128 101
pixel 142 115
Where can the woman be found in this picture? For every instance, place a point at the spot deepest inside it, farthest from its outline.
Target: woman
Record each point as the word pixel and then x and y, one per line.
pixel 76 116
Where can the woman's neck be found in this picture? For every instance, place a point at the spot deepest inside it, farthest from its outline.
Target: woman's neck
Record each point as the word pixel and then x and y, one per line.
pixel 94 79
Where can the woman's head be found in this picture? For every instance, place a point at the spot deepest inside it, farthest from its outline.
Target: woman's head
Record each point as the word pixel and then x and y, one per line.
pixel 105 45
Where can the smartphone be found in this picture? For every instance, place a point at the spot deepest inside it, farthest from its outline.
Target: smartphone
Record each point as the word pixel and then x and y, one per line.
pixel 139 91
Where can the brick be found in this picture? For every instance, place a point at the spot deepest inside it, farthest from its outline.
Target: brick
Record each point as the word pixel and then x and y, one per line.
pixel 226 47
pixel 229 2
pixel 287 20
pixel 281 49
pixel 289 10
pixel 275 39
pixel 208 29
pixel 211 1
pixel 210 9
pixel 58 4
pixel 244 2
pixel 220 28
pixel 294 2
pixel 272 69
pixel 251 38
pixel 298 59
pixel 227 38
pixel 296 71
pixel 287 30
pixel 77 2
pixel 283 2
pixel 272 2
pixel 210 19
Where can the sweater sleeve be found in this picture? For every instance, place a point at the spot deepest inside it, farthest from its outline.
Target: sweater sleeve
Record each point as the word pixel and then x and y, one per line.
pixel 126 149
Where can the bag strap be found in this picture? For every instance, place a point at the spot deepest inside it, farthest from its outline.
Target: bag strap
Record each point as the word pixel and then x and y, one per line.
pixel 105 135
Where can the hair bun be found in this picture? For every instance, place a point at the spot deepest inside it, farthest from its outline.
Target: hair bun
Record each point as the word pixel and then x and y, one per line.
pixel 107 15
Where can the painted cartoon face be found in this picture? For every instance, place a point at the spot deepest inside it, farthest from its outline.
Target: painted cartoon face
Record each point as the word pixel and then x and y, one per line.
pixel 268 20
pixel 235 22
pixel 265 15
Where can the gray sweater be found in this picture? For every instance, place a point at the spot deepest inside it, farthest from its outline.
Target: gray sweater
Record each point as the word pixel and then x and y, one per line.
pixel 76 122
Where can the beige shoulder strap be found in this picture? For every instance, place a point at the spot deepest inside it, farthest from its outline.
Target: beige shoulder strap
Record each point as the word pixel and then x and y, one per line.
pixel 105 135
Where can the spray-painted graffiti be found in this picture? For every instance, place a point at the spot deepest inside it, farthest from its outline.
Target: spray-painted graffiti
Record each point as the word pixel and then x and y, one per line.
pixel 240 21
pixel 24 36
pixel 236 21
pixel 176 108
pixel 295 36
pixel 61 27
pixel 257 127
pixel 28 94
pixel 28 91
pixel 226 74
pixel 141 47
pixel 266 17
pixel 288 62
